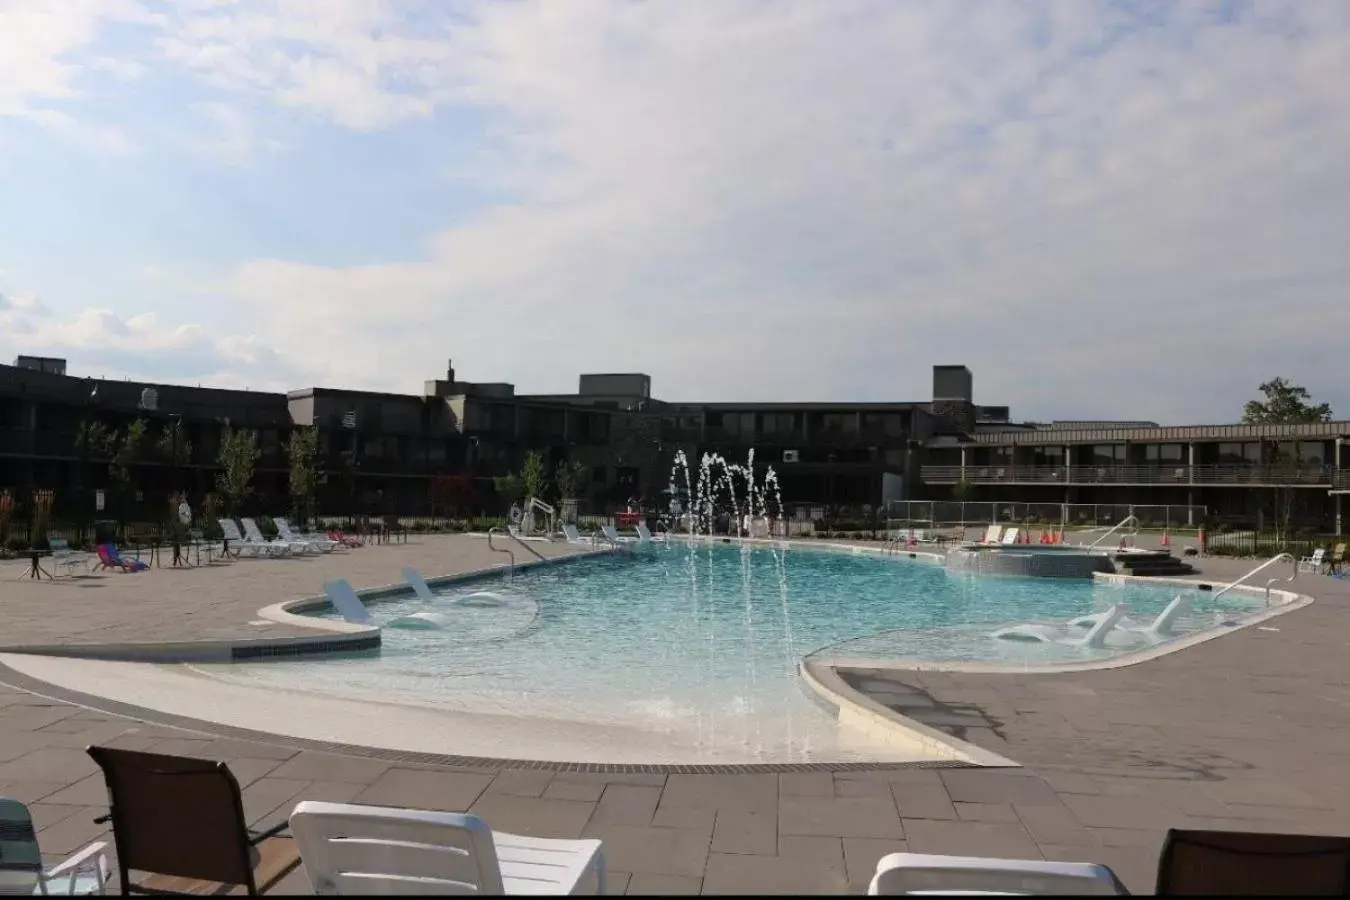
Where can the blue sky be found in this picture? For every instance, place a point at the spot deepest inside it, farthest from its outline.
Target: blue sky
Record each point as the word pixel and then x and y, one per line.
pixel 797 200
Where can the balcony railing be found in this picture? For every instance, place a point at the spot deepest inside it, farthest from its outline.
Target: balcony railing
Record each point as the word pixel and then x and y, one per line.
pixel 1314 476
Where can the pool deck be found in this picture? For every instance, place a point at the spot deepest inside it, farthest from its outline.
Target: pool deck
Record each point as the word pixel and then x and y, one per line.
pixel 217 602
pixel 1248 732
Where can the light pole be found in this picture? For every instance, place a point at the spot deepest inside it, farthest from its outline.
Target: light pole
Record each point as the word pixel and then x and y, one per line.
pixel 86 488
pixel 175 425
pixel 349 423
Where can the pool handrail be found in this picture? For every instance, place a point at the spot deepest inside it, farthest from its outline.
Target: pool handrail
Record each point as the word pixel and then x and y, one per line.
pixel 496 529
pixel 1279 557
pixel 1128 520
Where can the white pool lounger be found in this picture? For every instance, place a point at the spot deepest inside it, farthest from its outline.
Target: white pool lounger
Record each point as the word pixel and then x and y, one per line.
pixel 1161 627
pixel 1052 634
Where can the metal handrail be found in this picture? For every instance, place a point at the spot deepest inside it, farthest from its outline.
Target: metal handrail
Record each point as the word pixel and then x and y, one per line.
pixel 507 550
pixel 1128 520
pixel 515 537
pixel 1279 557
pixel 1306 474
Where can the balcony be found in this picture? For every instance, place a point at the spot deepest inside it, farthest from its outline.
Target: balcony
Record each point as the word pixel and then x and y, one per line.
pixel 1224 474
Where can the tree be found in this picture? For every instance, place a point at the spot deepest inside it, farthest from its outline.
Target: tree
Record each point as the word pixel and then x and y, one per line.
pixel 533 478
pixel 1285 403
pixel 94 439
pixel 509 488
pixel 570 477
pixel 963 491
pixel 238 455
pixel 130 450
pixel 302 454
pixel 172 436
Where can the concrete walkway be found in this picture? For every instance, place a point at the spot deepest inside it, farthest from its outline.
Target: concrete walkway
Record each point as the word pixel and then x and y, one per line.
pixel 1248 732
pixel 220 601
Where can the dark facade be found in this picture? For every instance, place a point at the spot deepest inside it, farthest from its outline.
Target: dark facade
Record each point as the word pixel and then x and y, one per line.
pixel 393 446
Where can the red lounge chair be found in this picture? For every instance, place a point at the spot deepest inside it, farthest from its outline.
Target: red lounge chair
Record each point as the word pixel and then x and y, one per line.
pixel 108 559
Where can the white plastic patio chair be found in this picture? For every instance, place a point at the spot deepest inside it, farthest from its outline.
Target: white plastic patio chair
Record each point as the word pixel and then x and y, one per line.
pixel 254 534
pixel 317 541
pixel 574 537
pixel 1010 536
pixel 233 536
pixel 915 873
pixel 992 534
pixel 21 871
pixel 349 848
pixel 1313 563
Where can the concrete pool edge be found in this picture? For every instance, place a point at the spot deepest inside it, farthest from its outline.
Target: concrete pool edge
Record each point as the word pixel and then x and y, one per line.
pixel 57 693
pixel 856 710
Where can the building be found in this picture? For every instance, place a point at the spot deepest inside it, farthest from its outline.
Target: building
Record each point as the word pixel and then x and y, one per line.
pixel 391 448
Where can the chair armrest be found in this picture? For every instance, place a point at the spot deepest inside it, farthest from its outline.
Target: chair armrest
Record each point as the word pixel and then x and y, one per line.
pixel 77 862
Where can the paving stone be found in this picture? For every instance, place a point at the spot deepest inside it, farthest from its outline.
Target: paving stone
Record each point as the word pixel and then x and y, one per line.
pixel 521 782
pixel 861 856
pixel 564 788
pixel 806 784
pixel 997 786
pixel 839 817
pixel 920 801
pixel 986 812
pixel 91 790
pixel 683 817
pixel 425 789
pixel 970 839
pixel 1053 825
pixel 672 885
pixel 745 831
pixel 616 883
pixel 534 816
pixel 50 764
pixel 640 849
pixel 738 874
pixel 627 804
pixel 310 766
pixel 716 792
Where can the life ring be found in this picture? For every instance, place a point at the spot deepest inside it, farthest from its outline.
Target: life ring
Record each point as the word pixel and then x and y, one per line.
pixel 516 514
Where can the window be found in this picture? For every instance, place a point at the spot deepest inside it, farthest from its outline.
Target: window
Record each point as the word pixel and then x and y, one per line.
pixel 1047 456
pixel 779 423
pixel 1312 453
pixel 893 425
pixel 1164 453
pixel 1108 454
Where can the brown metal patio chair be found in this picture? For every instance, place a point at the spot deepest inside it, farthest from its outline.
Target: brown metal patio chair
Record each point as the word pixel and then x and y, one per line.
pixel 182 822
pixel 1253 864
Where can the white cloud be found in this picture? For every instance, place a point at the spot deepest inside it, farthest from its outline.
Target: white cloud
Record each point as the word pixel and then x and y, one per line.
pixel 1103 209
pixel 141 347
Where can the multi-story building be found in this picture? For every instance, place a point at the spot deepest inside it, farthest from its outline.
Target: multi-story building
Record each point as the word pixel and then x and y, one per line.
pixel 393 446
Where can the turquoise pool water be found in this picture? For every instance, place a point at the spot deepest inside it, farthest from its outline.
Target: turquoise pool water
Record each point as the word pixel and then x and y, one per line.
pixel 701 642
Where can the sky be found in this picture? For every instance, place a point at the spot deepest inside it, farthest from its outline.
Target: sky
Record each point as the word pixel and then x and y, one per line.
pixel 1135 210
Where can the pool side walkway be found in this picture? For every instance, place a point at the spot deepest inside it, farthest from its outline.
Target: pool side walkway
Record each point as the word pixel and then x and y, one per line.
pixel 219 601
pixel 1251 731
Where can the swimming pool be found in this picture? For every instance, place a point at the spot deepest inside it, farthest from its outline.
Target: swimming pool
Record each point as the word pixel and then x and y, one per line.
pixel 699 644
